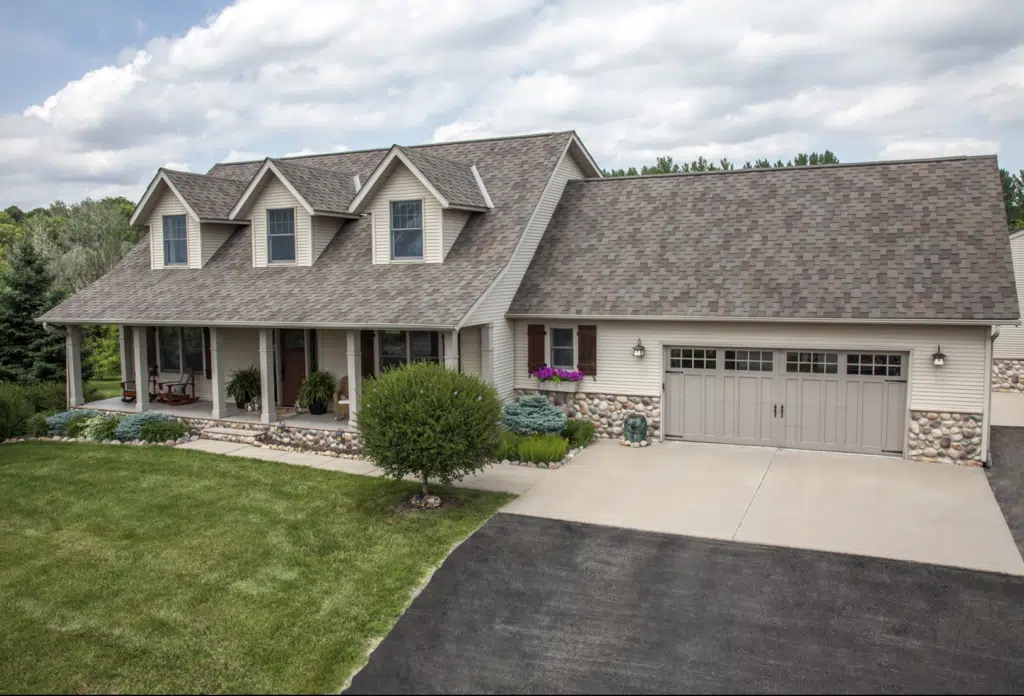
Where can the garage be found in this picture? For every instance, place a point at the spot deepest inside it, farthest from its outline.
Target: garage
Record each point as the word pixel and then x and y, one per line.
pixel 850 401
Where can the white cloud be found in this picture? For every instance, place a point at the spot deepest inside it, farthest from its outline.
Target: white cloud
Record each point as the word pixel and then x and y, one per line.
pixel 721 78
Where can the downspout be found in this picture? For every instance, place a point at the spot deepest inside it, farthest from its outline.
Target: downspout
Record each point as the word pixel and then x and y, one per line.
pixel 50 328
pixel 986 425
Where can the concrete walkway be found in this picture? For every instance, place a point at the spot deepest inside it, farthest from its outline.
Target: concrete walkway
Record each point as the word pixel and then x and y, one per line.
pixel 500 477
pixel 876 506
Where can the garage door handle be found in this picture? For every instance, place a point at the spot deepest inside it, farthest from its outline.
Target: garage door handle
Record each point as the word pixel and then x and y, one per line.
pixel 775 411
pixel 782 411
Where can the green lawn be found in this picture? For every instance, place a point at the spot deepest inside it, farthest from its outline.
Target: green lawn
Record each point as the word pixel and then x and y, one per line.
pixel 107 388
pixel 129 569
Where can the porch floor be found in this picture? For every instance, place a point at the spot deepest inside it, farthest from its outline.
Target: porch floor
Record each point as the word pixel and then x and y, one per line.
pixel 204 409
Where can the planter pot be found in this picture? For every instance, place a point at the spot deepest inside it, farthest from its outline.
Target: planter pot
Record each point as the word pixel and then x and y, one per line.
pixel 565 387
pixel 318 408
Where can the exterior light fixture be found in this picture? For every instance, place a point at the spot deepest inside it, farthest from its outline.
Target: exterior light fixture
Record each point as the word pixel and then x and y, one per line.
pixel 638 349
pixel 938 358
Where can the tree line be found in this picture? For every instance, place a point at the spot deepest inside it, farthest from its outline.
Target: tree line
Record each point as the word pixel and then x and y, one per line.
pixel 1013 184
pixel 47 254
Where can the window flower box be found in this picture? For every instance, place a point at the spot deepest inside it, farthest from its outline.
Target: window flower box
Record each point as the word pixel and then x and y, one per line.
pixel 557 380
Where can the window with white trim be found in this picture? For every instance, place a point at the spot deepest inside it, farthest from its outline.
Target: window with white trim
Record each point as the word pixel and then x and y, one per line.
pixel 181 348
pixel 877 364
pixel 563 349
pixel 814 363
pixel 192 347
pixel 281 235
pixel 748 360
pixel 175 240
pixel 169 340
pixel 692 359
pixel 401 347
pixel 406 229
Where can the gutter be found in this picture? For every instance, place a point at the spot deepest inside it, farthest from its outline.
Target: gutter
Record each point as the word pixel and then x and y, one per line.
pixel 778 320
pixel 269 324
pixel 63 333
pixel 986 425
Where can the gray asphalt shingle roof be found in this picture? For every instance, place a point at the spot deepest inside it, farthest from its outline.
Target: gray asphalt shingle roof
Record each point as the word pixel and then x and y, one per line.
pixel 324 189
pixel 210 197
pixel 915 240
pixel 453 180
pixel 343 287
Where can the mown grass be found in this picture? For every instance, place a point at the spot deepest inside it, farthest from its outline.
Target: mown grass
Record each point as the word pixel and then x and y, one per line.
pixel 107 388
pixel 127 569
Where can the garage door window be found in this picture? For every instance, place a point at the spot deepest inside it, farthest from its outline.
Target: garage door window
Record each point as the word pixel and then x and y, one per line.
pixel 692 359
pixel 748 360
pixel 877 364
pixel 815 363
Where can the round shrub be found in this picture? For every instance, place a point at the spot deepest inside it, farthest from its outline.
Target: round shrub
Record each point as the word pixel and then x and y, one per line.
pixel 36 426
pixel 101 428
pixel 579 433
pixel 429 421
pixel 532 415
pixel 15 410
pixel 161 431
pixel 130 427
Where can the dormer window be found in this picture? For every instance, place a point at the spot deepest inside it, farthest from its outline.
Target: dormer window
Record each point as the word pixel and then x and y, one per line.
pixel 175 240
pixel 406 230
pixel 281 235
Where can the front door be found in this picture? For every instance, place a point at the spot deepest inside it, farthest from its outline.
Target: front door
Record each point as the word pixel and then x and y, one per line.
pixel 293 365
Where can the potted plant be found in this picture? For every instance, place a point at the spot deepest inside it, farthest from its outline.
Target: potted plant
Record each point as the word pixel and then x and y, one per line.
pixel 244 385
pixel 316 392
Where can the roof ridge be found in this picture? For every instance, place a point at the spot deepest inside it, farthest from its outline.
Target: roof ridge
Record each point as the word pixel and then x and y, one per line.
pixel 795 168
pixel 387 149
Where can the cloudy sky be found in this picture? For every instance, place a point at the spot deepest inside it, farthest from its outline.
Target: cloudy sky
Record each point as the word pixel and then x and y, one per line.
pixel 95 98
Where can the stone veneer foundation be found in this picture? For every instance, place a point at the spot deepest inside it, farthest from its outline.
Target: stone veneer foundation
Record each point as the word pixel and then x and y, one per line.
pixel 1008 375
pixel 606 411
pixel 945 437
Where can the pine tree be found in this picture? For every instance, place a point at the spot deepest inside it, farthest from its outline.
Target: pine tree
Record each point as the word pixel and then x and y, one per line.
pixel 28 353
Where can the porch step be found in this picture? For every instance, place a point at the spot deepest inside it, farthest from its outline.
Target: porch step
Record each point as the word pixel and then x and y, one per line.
pixel 241 435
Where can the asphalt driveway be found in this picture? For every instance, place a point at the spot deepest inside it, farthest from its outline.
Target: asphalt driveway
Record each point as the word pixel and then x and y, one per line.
pixel 546 606
pixel 1007 478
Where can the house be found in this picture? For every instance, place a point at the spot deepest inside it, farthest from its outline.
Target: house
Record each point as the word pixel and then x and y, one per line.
pixel 841 307
pixel 1008 352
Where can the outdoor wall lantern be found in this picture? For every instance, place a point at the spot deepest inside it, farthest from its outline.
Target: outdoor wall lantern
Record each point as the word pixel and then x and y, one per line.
pixel 638 349
pixel 938 358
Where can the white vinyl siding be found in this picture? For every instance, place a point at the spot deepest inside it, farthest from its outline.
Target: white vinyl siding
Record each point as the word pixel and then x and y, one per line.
pixel 402 185
pixel 324 229
pixel 213 237
pixel 275 195
pixel 1010 344
pixel 452 223
pixel 469 350
pixel 239 348
pixel 332 352
pixel 958 386
pixel 492 310
pixel 170 205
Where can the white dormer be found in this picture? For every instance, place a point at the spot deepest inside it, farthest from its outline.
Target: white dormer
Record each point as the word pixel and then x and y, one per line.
pixel 186 218
pixel 294 211
pixel 419 204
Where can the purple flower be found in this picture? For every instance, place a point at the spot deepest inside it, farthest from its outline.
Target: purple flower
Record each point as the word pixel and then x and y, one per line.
pixel 550 374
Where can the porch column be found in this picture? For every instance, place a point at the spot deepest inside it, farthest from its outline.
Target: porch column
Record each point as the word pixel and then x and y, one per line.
pixel 267 376
pixel 216 376
pixel 74 365
pixel 487 353
pixel 123 338
pixel 140 361
pixel 451 349
pixel 355 375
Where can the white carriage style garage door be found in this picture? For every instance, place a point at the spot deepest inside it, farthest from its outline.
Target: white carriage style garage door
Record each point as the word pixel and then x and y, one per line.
pixel 850 401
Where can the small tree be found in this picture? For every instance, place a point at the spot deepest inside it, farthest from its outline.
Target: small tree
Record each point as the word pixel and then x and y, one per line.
pixel 429 421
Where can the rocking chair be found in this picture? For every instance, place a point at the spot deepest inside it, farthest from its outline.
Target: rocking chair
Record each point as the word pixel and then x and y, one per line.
pixel 179 393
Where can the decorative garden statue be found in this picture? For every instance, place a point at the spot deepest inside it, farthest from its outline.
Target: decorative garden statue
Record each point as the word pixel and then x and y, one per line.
pixel 635 428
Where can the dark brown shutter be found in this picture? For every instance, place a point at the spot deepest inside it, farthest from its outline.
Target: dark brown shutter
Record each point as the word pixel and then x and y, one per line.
pixel 587 360
pixel 206 348
pixel 534 347
pixel 366 350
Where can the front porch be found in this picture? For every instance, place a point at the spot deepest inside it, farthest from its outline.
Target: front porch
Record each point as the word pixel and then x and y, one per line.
pixel 203 410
